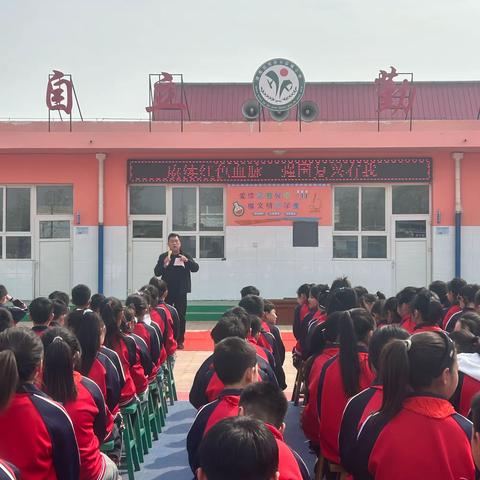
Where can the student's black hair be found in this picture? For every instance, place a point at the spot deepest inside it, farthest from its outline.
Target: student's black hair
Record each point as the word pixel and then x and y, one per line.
pixel 87 327
pixel 264 401
pixel 325 333
pixel 6 319
pixel 253 304
pixel 455 286
pixel 137 303
pixel 241 314
pixel 475 413
pixel 440 288
pixel 406 295
pixel 40 310
pixel 412 364
pixel 255 325
pixel 239 448
pixel 341 299
pixel 465 341
pixel 303 289
pixel 97 301
pixel 428 306
pixel 368 298
pixel 468 293
pixel 380 295
pixel 173 235
pixel 268 306
pixel 380 338
pixel 470 321
pixel 391 306
pixel 21 353
pixel 60 345
pixel 3 291
pixel 81 295
pixel 161 286
pixel 59 295
pixel 340 282
pixel 323 296
pixel 231 358
pixel 360 291
pixel 378 308
pixel 249 290
pixel 354 326
pixel 152 291
pixel 228 326
pixel 109 312
pixel 59 309
pixel 317 289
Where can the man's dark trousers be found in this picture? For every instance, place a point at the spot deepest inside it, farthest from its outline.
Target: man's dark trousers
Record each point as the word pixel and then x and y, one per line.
pixel 179 301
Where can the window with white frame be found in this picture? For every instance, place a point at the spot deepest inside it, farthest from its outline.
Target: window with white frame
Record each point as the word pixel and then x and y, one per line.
pixel 360 222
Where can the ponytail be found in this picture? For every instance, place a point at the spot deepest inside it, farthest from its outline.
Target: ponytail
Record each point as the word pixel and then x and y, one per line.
pixel 60 346
pixel 9 378
pixel 109 312
pixel 21 353
pixel 349 363
pixel 428 306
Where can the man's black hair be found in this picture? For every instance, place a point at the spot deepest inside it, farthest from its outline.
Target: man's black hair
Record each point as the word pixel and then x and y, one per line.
pixel 266 402
pixel 380 338
pixel 249 290
pixel 253 304
pixel 81 295
pixel 231 358
pixel 226 327
pixel 173 235
pixel 239 448
pixel 40 310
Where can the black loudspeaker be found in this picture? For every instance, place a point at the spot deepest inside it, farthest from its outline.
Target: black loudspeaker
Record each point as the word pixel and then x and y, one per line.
pixel 279 116
pixel 309 111
pixel 250 110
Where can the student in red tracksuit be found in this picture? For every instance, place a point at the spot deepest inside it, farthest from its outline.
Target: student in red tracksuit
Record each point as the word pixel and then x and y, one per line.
pixel 8 471
pixel 368 401
pixel 235 362
pixel 136 383
pixel 36 434
pixel 419 376
pixel 454 288
pixel 267 403
pixel 404 298
pixel 238 448
pixel 475 410
pixel 427 312
pixel 81 398
pixel 467 305
pixel 301 309
pixel 254 326
pixel 343 376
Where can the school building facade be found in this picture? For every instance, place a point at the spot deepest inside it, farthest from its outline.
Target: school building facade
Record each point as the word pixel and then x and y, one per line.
pixel 274 208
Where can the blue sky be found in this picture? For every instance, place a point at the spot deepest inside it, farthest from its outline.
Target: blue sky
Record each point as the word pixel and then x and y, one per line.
pixel 111 46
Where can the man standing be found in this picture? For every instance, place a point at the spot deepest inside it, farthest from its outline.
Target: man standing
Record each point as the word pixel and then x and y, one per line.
pixel 174 267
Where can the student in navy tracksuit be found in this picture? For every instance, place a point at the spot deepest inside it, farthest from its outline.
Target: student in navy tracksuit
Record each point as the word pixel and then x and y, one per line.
pixel 235 362
pixel 427 312
pixel 36 434
pixel 417 434
pixel 81 398
pixel 238 448
pixel 267 403
pixel 206 385
pixel 8 471
pixel 368 401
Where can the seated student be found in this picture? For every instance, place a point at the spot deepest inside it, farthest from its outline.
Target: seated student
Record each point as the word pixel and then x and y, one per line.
pixel 136 383
pixel 6 319
pixel 169 315
pixel 18 308
pixel 81 398
pixel 81 296
pixel 36 434
pixel 419 376
pixel 267 403
pixel 367 300
pixel 238 448
pixel 454 288
pixel 404 298
pixel 270 318
pixel 8 471
pixel 475 408
pixel 441 290
pixel 96 302
pixel 342 377
pixel 41 314
pixel 368 401
pixel 254 325
pixel 301 309
pixel 60 312
pixel 427 312
pixel 469 321
pixel 466 303
pixel 391 311
pixel 249 290
pixel 149 333
pixel 59 295
pixel 254 305
pixel 468 358
pixel 206 385
pixel 235 362
pixel 379 314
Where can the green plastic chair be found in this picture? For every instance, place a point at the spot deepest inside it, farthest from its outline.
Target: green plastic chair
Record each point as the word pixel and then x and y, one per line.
pixel 171 389
pixel 131 460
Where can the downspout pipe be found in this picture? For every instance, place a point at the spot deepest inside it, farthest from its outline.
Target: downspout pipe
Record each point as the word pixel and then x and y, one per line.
pixel 457 157
pixel 101 175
